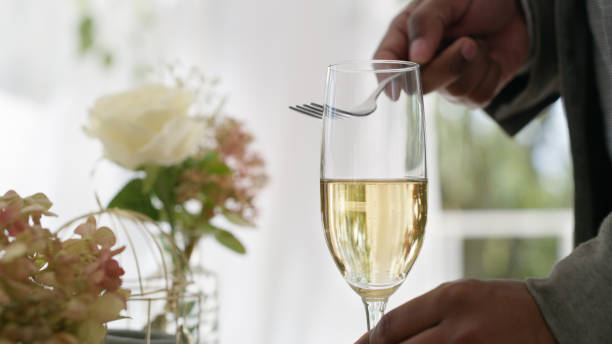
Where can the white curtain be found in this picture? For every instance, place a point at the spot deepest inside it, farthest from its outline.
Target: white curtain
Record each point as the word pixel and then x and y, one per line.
pixel 269 54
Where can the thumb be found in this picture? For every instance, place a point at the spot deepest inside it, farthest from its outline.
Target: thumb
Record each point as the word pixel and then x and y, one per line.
pixel 427 23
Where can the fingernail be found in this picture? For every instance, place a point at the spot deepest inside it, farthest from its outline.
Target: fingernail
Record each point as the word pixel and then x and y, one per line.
pixel 469 50
pixel 417 51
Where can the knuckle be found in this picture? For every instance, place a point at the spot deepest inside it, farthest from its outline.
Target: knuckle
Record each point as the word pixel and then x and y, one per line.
pixel 458 89
pixel 398 21
pixel 402 18
pixel 481 98
pixel 381 331
pixel 417 21
pixel 467 335
pixel 487 89
pixel 461 291
pixel 470 283
pixel 458 64
pixel 482 95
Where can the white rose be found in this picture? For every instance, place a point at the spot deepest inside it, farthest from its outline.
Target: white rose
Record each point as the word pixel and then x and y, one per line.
pixel 146 125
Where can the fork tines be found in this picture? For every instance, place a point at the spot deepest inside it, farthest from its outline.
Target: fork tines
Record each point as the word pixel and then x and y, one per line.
pixel 313 109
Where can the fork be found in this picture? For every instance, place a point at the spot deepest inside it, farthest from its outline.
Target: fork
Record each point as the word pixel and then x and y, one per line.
pixel 313 110
pixel 367 107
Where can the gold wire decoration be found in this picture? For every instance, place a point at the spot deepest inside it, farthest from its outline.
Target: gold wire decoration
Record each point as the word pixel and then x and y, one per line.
pixel 167 285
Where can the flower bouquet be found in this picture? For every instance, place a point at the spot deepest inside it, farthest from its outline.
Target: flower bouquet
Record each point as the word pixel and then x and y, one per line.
pixel 191 168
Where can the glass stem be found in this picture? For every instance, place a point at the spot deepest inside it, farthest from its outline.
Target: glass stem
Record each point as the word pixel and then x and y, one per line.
pixel 375 309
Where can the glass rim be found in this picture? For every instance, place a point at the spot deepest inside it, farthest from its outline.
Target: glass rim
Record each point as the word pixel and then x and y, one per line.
pixel 359 66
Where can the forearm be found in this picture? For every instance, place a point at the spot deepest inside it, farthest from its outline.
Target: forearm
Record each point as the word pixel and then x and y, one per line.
pixel 575 299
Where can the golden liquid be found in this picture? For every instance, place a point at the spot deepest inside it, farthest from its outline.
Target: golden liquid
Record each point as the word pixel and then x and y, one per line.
pixel 374 230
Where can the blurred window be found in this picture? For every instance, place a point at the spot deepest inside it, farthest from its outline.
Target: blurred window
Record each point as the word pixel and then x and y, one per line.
pixel 508 197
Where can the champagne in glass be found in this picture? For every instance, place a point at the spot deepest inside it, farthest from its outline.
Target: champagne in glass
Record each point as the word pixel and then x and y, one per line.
pixel 373 178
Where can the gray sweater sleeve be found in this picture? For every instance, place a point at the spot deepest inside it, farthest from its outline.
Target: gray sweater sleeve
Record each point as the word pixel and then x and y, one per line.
pixel 576 299
pixel 532 91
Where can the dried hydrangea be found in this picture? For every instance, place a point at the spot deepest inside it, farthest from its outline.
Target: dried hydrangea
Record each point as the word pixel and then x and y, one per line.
pixel 54 291
pixel 232 193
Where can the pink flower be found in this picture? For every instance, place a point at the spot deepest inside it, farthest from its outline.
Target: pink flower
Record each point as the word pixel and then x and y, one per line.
pixel 113 272
pixel 86 229
pixel 105 271
pixel 7 214
pixel 9 218
pixel 18 227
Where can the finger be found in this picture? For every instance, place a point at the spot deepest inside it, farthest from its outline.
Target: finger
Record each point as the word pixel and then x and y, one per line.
pixel 474 75
pixel 394 46
pixel 427 23
pixel 432 335
pixel 482 94
pixel 450 65
pixel 393 87
pixel 487 89
pixel 409 319
pixel 363 339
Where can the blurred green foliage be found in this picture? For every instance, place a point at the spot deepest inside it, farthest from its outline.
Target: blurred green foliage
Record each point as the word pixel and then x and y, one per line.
pixel 482 167
pixel 86 37
pixel 515 258
pixel 88 42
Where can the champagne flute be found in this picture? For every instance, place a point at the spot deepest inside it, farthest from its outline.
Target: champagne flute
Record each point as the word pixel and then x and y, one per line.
pixel 374 177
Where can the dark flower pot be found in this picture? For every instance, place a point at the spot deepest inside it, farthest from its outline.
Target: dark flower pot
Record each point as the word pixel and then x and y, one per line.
pixel 137 337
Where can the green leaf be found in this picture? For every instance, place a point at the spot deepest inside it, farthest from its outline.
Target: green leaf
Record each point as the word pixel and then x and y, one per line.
pixel 164 190
pixel 208 228
pixel 206 201
pixel 236 219
pixel 165 183
pixel 186 219
pixel 86 33
pixel 132 197
pixel 208 158
pixel 213 165
pixel 228 240
pixel 151 173
pixel 218 167
pixel 188 163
